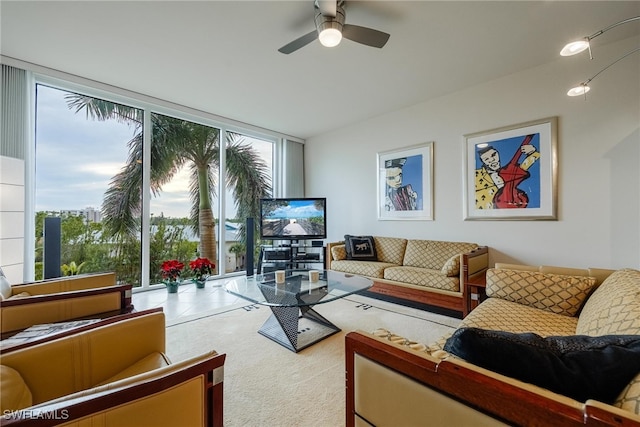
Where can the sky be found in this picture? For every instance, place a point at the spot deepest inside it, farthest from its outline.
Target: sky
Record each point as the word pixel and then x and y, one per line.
pixel 76 158
pixel 297 209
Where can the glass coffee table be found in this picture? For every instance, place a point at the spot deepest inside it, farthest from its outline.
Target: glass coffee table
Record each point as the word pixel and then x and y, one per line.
pixel 293 322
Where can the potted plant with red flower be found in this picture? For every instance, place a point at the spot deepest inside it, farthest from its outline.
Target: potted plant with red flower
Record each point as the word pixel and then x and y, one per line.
pixel 201 269
pixel 171 270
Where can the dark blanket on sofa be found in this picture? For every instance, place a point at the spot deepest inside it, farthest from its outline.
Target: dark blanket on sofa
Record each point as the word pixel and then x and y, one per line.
pixel 581 367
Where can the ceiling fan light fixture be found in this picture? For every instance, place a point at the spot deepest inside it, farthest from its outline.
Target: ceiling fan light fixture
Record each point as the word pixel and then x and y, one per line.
pixel 575 48
pixel 330 27
pixel 330 37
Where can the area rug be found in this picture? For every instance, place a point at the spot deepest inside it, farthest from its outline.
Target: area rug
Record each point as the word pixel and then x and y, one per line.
pixel 267 385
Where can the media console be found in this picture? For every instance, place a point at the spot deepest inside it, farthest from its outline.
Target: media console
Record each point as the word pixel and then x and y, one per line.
pixel 294 257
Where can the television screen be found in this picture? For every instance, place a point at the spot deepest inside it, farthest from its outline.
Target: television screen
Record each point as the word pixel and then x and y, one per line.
pixel 293 219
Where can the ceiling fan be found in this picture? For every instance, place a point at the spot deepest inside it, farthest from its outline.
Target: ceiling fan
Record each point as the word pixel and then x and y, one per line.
pixel 330 29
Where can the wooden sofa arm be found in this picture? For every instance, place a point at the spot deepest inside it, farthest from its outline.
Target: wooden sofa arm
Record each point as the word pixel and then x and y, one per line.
pixel 328 257
pixel 475 262
pixel 502 398
pixel 20 313
pixel 66 283
pixel 185 393
pixel 124 290
pixel 600 414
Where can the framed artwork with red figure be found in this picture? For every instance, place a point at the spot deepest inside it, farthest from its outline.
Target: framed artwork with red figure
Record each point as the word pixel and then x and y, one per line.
pixel 511 172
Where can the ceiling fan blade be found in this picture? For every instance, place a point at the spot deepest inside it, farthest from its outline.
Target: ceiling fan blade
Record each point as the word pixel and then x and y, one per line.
pixel 299 42
pixel 364 35
pixel 327 7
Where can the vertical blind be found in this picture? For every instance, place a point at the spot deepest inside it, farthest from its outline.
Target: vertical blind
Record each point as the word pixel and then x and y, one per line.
pixel 293 169
pixel 14 112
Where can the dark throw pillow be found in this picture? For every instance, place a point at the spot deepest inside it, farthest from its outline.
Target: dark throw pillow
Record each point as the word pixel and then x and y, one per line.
pixel 360 248
pixel 578 366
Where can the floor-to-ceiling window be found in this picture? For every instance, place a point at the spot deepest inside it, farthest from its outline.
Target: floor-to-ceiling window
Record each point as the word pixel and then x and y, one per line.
pixel 185 170
pixel 249 165
pixel 82 151
pixel 90 163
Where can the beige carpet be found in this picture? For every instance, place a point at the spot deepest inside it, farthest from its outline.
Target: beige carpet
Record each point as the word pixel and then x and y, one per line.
pixel 267 385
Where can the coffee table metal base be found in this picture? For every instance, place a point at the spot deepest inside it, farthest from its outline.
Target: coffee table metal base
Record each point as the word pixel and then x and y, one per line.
pixel 296 328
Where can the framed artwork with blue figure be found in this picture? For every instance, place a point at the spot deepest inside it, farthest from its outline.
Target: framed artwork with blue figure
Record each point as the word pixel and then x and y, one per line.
pixel 511 172
pixel 405 183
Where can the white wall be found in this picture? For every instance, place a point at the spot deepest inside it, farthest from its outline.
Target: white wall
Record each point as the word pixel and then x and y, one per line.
pixel 598 221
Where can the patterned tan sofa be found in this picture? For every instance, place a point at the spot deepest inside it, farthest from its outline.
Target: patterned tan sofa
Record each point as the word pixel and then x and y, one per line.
pixel 426 271
pixel 392 380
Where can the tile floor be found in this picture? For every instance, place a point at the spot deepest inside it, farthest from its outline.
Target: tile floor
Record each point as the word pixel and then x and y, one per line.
pixel 189 301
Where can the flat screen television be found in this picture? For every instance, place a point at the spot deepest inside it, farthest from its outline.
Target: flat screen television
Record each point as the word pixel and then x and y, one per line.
pixel 293 219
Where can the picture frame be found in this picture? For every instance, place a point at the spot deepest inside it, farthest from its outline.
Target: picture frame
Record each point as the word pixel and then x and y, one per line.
pixel 405 183
pixel 510 173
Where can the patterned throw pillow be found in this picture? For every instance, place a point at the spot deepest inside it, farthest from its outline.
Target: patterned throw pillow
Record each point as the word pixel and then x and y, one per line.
pixel 614 307
pixel 451 268
pixel 338 252
pixel 360 248
pixel 557 293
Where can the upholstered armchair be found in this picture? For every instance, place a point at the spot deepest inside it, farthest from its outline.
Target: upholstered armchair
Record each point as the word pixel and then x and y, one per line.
pixel 60 299
pixel 113 375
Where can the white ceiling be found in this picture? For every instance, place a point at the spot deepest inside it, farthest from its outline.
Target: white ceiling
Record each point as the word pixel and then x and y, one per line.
pixel 221 56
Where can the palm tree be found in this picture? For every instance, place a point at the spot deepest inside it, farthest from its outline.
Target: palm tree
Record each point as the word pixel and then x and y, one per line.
pixel 176 143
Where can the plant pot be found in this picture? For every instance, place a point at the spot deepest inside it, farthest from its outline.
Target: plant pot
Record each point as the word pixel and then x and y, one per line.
pixel 172 287
pixel 199 283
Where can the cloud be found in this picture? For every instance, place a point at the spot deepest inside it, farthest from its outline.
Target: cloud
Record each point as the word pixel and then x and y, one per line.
pixel 179 183
pixel 108 169
pixel 75 157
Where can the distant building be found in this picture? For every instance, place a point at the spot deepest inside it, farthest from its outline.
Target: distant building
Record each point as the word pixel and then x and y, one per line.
pixel 88 213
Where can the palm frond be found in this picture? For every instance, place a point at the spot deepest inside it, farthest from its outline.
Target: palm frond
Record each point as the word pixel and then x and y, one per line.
pixel 174 143
pixel 248 178
pixel 167 150
pixel 99 109
pixel 203 143
pixel 122 201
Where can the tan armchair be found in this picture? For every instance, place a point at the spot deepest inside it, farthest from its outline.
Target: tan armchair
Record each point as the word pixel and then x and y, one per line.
pixel 60 299
pixel 112 375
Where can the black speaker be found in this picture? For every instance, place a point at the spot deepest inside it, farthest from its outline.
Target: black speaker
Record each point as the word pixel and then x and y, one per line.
pixel 52 247
pixel 259 267
pixel 316 243
pixel 249 254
